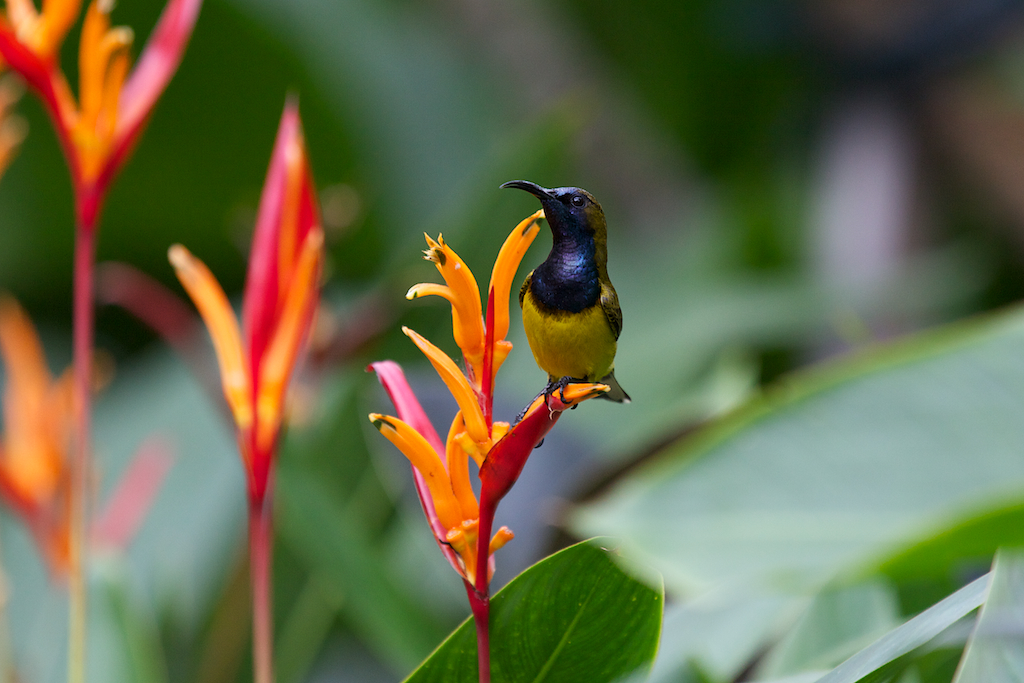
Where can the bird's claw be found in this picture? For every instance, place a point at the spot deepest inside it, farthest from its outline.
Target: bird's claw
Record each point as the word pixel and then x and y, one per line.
pixel 560 386
pixel 555 385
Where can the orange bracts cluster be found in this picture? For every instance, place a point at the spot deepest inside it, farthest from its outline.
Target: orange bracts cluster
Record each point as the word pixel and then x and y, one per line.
pixel 34 476
pixel 441 469
pixel 99 129
pixel 281 294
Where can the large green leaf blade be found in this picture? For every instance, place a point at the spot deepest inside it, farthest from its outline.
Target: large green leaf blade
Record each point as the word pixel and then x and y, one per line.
pixel 834 470
pixel 575 616
pixel 995 652
pixel 839 622
pixel 871 663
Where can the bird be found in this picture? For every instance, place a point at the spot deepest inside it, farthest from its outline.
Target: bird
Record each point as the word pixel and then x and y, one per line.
pixel 571 312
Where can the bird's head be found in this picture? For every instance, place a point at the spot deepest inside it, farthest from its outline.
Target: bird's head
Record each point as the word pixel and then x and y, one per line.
pixel 570 211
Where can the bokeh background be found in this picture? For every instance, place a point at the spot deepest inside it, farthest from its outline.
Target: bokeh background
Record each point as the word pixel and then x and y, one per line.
pixel 785 182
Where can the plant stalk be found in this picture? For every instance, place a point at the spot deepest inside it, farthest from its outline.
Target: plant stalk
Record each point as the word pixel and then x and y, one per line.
pixel 81 465
pixel 480 603
pixel 260 556
pixel 480 593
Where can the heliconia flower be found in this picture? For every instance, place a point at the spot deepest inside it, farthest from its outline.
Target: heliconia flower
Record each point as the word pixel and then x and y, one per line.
pixel 99 129
pixel 35 478
pixel 281 294
pixel 462 524
pixel 34 474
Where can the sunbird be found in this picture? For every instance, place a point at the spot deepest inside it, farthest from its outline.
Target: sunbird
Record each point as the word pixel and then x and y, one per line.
pixel 570 309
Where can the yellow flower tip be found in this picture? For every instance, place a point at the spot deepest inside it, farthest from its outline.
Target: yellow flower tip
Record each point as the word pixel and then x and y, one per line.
pixel 381 422
pixel 471 448
pixel 457 539
pixel 315 238
pixel 430 289
pixel 498 431
pixel 503 536
pixel 435 252
pixel 106 6
pixel 179 256
pixel 121 36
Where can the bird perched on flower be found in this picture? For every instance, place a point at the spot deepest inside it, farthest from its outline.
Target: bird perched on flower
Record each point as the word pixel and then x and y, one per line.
pixel 570 309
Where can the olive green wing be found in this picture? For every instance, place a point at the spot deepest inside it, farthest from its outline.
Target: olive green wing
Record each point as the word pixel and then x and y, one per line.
pixel 526 285
pixel 610 306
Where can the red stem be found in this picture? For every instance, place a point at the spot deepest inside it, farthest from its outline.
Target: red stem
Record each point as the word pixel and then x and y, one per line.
pixel 86 209
pixel 481 606
pixel 260 554
pixel 479 596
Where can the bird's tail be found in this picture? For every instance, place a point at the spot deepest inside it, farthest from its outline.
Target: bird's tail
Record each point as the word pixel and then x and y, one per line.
pixel 617 393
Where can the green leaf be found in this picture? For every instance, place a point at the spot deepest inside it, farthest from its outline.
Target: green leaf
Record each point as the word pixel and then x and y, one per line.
pixel 868 664
pixel 836 469
pixel 317 528
pixel 575 616
pixel 840 620
pixel 134 631
pixel 995 652
pixel 714 637
pixel 305 629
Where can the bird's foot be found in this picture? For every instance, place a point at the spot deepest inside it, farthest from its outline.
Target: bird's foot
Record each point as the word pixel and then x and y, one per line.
pixel 560 385
pixel 555 385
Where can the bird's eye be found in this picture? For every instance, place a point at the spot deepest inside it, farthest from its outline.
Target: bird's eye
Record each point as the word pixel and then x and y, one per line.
pixel 578 200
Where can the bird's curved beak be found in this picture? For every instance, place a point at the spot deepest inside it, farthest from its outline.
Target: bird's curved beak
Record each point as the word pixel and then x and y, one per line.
pixel 536 190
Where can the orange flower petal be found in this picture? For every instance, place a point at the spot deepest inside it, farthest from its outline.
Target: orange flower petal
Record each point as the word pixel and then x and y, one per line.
pixel 220 320
pixel 102 67
pixel 425 459
pixel 581 391
pixel 26 21
pixel 276 366
pixel 467 314
pixel 457 383
pixel 34 416
pixel 117 71
pixel 97 46
pixel 288 230
pixel 501 350
pixel 458 470
pixel 503 536
pixel 57 19
pixel 471 448
pixel 505 267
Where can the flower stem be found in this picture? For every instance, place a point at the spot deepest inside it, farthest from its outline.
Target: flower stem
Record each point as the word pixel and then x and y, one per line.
pixel 479 595
pixel 481 606
pixel 260 556
pixel 8 674
pixel 85 251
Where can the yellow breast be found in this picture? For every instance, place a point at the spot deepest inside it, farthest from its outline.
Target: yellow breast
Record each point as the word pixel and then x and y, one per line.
pixel 579 345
